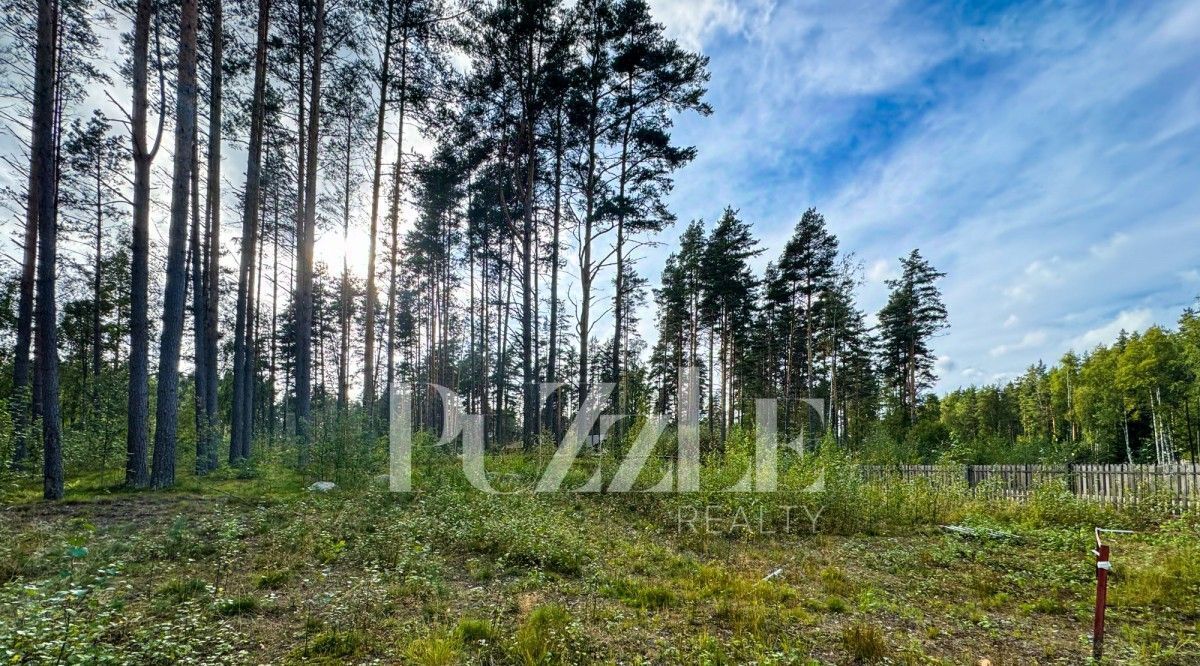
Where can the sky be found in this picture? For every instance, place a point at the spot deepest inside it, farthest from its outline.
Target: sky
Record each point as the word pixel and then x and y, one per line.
pixel 1046 156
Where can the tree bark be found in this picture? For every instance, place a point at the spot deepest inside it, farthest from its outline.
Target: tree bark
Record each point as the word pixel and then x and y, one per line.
pixel 138 424
pixel 243 401
pixel 304 256
pixel 376 181
pixel 213 254
pixel 167 409
pixel 42 177
pixel 199 317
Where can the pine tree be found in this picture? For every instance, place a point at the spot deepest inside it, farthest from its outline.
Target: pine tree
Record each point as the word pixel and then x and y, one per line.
pixel 166 415
pixel 138 424
pixel 799 292
pixel 728 303
pixel 305 237
pixel 913 315
pixel 845 344
pixel 42 171
pixel 655 77
pixel 94 163
pixel 207 293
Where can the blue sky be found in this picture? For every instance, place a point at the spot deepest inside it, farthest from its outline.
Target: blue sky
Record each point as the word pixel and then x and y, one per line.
pixel 1045 155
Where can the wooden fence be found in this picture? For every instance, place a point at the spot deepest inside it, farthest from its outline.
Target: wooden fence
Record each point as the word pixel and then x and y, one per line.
pixel 1178 484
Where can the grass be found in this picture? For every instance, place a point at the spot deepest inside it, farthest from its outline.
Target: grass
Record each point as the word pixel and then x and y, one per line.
pixel 864 642
pixel 273 580
pixel 640 594
pixel 433 651
pixel 475 630
pixel 244 605
pixel 257 566
pixel 544 637
pixel 335 644
pixel 181 590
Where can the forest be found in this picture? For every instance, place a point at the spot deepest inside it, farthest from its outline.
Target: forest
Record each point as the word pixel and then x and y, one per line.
pixel 505 238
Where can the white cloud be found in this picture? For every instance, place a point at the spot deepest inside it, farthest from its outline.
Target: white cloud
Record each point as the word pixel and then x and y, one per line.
pixel 691 21
pixel 883 270
pixel 1030 340
pixel 1037 275
pixel 1126 320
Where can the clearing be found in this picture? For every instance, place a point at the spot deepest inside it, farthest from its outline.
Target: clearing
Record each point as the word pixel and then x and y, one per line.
pixel 259 570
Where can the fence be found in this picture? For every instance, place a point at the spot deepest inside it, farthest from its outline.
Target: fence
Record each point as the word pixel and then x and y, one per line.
pixel 1178 483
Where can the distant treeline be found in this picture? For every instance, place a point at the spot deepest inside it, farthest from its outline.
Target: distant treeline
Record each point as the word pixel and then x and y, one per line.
pixel 503 254
pixel 1137 400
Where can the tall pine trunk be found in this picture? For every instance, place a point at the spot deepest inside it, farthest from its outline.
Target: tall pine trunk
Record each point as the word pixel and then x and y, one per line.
pixel 304 255
pixel 243 400
pixel 211 433
pixel 528 382
pixel 97 281
pixel 199 317
pixel 274 314
pixel 42 184
pixel 21 363
pixel 138 415
pixel 167 409
pixel 619 296
pixel 394 214
pixel 376 181
pixel 552 352
pixel 344 306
